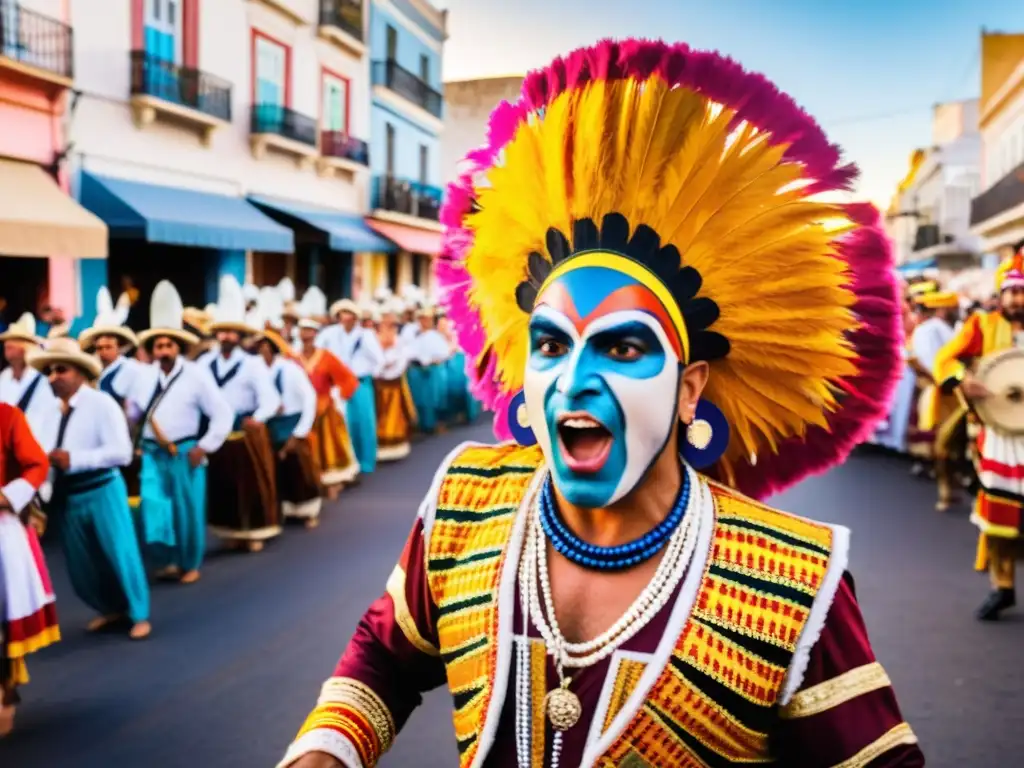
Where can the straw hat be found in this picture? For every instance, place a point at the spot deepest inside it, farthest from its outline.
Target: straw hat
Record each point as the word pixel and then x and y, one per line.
pixel 59 331
pixel 109 322
pixel 344 305
pixel 165 317
pixel 367 311
pixel 286 290
pixel 427 311
pixel 280 346
pixel 23 329
pixel 197 319
pixel 314 303
pixel 292 310
pixel 309 323
pixel 270 308
pixel 67 351
pixel 230 314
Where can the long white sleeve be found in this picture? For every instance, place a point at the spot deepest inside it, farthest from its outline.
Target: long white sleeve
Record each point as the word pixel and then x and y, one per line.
pixel 304 386
pixel 217 410
pixel 268 401
pixel 115 444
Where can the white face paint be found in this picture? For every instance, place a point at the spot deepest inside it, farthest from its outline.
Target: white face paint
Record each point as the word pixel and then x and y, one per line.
pixel 618 369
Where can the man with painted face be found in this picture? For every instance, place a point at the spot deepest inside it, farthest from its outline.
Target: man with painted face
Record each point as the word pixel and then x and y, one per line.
pixel 632 264
pixel 999 507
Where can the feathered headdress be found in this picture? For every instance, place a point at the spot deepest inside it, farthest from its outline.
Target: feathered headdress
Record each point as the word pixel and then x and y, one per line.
pixel 704 178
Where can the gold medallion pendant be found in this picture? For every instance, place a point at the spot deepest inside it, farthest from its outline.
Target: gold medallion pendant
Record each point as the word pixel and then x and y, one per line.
pixel 563 707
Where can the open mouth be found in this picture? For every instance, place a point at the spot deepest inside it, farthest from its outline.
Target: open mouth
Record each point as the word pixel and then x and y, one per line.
pixel 585 443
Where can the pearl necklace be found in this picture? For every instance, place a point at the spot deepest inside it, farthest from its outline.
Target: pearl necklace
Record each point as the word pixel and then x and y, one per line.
pixel 564 707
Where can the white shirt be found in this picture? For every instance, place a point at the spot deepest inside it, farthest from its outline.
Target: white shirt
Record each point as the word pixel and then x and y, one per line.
pixel 297 393
pixel 409 333
pixel 96 436
pixel 430 347
pixel 43 400
pixel 928 338
pixel 358 348
pixel 396 360
pixel 193 394
pixel 250 389
pixel 123 373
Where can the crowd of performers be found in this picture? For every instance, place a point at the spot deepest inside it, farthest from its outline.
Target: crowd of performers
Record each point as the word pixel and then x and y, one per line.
pixel 934 416
pixel 130 447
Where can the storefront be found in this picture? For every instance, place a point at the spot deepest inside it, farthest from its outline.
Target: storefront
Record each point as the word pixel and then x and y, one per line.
pixel 42 230
pixel 186 236
pixel 412 264
pixel 329 247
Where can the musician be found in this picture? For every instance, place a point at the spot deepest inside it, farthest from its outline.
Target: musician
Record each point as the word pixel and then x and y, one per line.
pixel 998 508
pixel 172 405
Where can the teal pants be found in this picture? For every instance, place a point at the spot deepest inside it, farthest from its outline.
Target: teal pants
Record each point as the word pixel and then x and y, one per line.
pixel 361 416
pixel 173 506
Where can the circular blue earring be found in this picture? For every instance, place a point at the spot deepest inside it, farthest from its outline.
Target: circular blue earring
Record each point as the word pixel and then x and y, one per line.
pixel 518 422
pixel 707 436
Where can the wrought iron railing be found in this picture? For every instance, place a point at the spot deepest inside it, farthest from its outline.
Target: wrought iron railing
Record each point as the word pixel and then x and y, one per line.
pixel 408 197
pixel 407 85
pixel 340 144
pixel 280 120
pixel 154 76
pixel 344 14
pixel 1005 194
pixel 36 40
pixel 927 236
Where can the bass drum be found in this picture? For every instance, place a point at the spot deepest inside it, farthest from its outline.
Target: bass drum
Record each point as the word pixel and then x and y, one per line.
pixel 1003 375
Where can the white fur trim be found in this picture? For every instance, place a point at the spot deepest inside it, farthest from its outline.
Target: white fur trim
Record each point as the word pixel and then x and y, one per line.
pixel 680 615
pixel 506 614
pixel 323 740
pixel 306 510
pixel 393 452
pixel 837 563
pixel 429 504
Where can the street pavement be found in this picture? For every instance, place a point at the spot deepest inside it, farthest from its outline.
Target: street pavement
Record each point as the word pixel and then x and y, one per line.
pixel 236 661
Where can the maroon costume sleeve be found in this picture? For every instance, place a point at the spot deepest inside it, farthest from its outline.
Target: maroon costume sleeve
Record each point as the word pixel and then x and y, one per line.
pixel 390 661
pixel 845 711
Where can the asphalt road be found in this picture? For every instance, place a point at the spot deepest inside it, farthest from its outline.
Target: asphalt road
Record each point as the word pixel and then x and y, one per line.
pixel 236 660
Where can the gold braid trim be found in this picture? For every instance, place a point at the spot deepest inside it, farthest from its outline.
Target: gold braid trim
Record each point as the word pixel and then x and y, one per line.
pixel 897 737
pixel 396 588
pixel 839 690
pixel 345 690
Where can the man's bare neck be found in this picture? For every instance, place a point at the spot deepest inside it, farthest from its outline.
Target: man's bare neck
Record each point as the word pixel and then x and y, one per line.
pixel 18 370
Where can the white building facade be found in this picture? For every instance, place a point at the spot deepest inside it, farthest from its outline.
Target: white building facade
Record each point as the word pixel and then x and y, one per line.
pixel 469 105
pixel 224 136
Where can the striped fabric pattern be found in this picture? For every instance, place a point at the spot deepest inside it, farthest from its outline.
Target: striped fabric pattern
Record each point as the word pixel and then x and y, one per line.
pixel 476 508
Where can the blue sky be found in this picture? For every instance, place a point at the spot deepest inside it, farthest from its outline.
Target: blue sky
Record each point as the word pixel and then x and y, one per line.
pixel 869 71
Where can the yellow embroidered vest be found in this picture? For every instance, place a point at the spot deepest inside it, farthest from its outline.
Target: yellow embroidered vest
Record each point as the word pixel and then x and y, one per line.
pixel 714 701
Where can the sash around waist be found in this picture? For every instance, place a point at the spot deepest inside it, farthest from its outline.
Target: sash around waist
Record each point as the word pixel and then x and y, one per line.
pixel 152 445
pixel 84 482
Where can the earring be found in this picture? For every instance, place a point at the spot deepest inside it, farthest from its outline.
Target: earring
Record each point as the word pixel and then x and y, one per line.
pixel 707 436
pixel 519 422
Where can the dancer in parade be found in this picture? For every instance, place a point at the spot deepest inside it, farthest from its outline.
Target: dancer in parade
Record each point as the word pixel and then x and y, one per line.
pixel 88 444
pixel 396 413
pixel 920 439
pixel 112 341
pixel 298 473
pixel 241 497
pixel 892 432
pixel 182 418
pixel 998 506
pixel 460 405
pixel 632 264
pixel 428 353
pixel 28 615
pixel 333 445
pixel 20 384
pixel 360 351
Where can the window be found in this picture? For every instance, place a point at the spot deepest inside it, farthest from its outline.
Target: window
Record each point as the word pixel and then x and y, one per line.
pixel 424 163
pixel 392 43
pixel 389 135
pixel 270 71
pixel 424 68
pixel 162 30
pixel 334 113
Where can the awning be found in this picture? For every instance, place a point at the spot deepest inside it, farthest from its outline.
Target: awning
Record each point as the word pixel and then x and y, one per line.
pixel 177 216
pixel 917 266
pixel 408 238
pixel 345 231
pixel 38 219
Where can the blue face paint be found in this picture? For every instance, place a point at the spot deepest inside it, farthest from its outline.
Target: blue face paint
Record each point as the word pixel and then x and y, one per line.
pixel 601 384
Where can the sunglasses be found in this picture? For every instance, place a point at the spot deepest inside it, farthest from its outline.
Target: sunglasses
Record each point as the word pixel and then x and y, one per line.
pixel 60 370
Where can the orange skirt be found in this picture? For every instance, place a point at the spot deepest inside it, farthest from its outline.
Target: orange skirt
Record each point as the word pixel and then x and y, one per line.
pixel 396 416
pixel 334 451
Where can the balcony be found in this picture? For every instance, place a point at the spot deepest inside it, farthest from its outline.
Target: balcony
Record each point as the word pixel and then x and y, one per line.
pixel 179 95
pixel 1003 197
pixel 342 154
pixel 35 48
pixel 407 199
pixel 278 128
pixel 341 23
pixel 391 76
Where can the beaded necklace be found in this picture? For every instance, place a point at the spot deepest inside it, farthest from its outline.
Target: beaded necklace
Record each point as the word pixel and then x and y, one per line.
pixel 617 558
pixel 563 707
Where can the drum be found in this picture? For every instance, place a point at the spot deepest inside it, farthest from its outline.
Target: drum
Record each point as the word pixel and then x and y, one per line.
pixel 1003 375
